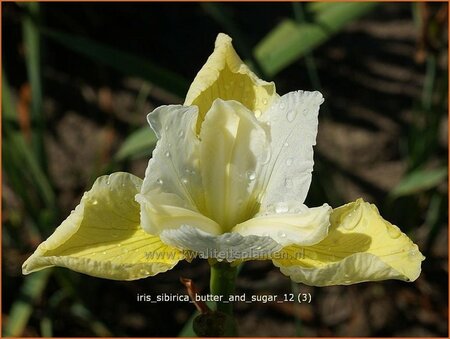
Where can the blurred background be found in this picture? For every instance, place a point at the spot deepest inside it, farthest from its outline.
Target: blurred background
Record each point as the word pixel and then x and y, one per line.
pixel 79 78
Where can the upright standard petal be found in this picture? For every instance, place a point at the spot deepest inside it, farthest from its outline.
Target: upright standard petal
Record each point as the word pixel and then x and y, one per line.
pixel 102 237
pixel 361 246
pixel 225 76
pixel 172 193
pixel 293 124
pixel 233 144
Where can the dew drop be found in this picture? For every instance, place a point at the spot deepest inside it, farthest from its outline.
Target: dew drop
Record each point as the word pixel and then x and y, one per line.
pixel 289 161
pixel 118 245
pixel 266 157
pixel 166 128
pixel 281 209
pixel 159 181
pixel 257 113
pixel 286 144
pixel 282 234
pixel 258 248
pixel 282 105
pixel 95 202
pixel 181 133
pixel 291 115
pixel 108 181
pixel 394 232
pixel 167 154
pixel 349 222
pixel 264 101
pixel 184 181
pixel 288 183
pixel 251 175
pixel 104 253
pixel 412 254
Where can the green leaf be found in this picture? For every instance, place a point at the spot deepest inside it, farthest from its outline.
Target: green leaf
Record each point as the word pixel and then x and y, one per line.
pixel 26 163
pixel 139 143
pixel 32 42
pixel 419 180
pixel 22 308
pixel 290 41
pixel 124 62
pixel 8 112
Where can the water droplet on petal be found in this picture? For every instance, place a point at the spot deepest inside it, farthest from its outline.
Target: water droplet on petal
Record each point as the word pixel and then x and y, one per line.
pixel 281 209
pixel 108 181
pixel 412 254
pixel 266 157
pixel 95 202
pixel 251 175
pixel 289 161
pixel 159 181
pixel 282 234
pixel 291 115
pixel 282 105
pixel 288 183
pixel 184 181
pixel 166 128
pixel 264 101
pixel 181 133
pixel 393 231
pixel 104 253
pixel 286 144
pixel 167 154
pixel 257 113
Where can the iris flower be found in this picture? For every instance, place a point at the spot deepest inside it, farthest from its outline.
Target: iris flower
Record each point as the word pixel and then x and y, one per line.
pixel 227 181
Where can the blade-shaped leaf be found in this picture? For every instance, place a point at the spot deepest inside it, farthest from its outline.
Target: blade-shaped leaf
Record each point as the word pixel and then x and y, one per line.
pixel 139 143
pixel 22 308
pixel 124 62
pixel 290 41
pixel 419 180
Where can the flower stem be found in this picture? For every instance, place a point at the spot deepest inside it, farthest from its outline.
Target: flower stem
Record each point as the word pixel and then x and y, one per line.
pixel 222 284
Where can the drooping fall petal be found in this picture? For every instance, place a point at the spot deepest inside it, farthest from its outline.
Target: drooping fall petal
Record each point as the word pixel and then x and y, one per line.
pixel 102 237
pixel 361 246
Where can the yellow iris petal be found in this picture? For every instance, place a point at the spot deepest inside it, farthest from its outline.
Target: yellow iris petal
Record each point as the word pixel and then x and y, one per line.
pixel 225 76
pixel 360 246
pixel 102 237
